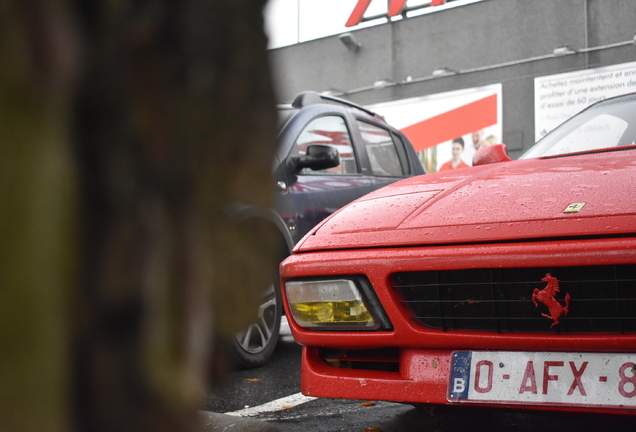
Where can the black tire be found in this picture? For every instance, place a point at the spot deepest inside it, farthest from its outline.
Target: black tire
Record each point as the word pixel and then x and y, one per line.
pixel 254 345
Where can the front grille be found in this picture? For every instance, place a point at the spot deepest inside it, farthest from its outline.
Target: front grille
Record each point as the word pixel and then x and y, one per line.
pixel 602 299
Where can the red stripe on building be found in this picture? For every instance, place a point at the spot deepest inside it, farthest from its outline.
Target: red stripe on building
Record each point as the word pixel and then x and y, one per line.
pixel 358 12
pixel 396 6
pixel 453 124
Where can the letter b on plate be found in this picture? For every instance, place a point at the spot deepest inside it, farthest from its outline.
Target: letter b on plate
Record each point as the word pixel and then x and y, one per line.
pixel 459 376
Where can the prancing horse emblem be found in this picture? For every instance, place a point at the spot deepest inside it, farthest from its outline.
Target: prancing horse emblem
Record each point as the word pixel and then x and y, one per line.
pixel 546 296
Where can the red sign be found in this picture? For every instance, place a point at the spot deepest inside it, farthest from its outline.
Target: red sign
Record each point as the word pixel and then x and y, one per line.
pixel 453 123
pixel 395 8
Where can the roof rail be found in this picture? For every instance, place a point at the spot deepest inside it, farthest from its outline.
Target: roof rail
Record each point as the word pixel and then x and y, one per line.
pixel 312 97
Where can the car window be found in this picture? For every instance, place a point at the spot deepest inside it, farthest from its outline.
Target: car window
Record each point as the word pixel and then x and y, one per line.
pixel 611 123
pixel 382 150
pixel 600 132
pixel 332 131
pixel 404 159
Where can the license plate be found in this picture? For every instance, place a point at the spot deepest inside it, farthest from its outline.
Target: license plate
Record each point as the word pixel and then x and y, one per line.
pixel 572 379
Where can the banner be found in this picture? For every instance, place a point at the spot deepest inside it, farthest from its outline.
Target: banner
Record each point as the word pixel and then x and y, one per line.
pixel 559 97
pixel 448 127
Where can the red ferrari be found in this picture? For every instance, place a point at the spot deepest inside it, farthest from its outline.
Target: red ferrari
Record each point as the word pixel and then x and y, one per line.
pixel 509 283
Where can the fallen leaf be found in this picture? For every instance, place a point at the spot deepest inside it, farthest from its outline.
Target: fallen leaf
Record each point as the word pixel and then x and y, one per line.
pixel 287 406
pixel 368 403
pixel 373 429
pixel 252 379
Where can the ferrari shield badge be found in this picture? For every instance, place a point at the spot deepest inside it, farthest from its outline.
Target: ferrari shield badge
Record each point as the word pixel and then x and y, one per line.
pixel 547 297
pixel 574 208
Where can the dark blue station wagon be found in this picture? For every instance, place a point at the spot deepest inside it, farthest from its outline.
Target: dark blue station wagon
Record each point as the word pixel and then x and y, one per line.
pixel 331 152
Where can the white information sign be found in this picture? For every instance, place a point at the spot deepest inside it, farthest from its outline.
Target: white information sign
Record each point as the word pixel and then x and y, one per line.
pixel 559 97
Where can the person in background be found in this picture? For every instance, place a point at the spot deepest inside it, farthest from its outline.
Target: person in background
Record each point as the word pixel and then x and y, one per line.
pixel 489 140
pixel 477 139
pixel 456 161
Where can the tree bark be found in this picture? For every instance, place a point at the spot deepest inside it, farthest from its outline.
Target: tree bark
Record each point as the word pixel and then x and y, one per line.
pixel 130 126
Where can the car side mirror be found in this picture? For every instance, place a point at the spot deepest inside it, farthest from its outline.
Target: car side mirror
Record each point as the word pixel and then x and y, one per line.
pixel 318 157
pixel 491 154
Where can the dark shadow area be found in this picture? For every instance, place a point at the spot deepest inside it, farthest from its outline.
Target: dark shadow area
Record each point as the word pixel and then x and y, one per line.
pixel 475 419
pixel 279 378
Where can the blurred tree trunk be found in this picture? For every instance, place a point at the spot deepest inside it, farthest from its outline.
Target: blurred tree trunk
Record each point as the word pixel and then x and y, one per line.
pixel 128 126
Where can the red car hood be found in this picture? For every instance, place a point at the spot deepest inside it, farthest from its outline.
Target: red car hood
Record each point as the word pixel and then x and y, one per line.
pixel 515 200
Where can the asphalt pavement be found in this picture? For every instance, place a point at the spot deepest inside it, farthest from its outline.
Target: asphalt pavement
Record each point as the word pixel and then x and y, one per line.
pixel 223 422
pixel 255 387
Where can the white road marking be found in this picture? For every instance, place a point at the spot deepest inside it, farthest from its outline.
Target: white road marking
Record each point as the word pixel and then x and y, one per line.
pixel 285 331
pixel 284 326
pixel 273 406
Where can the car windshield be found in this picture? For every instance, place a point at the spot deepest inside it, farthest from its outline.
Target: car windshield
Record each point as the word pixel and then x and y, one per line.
pixel 611 123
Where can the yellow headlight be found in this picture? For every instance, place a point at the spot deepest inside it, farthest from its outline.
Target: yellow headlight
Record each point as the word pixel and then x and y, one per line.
pixel 328 303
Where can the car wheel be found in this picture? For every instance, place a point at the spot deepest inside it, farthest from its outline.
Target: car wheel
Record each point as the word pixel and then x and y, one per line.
pixel 254 345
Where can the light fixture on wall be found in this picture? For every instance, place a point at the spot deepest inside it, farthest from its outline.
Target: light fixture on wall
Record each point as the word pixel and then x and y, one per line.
pixel 332 92
pixel 563 51
pixel 350 42
pixel 443 71
pixel 382 83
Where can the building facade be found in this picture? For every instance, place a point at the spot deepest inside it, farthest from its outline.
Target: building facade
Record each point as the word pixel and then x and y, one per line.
pixel 510 43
